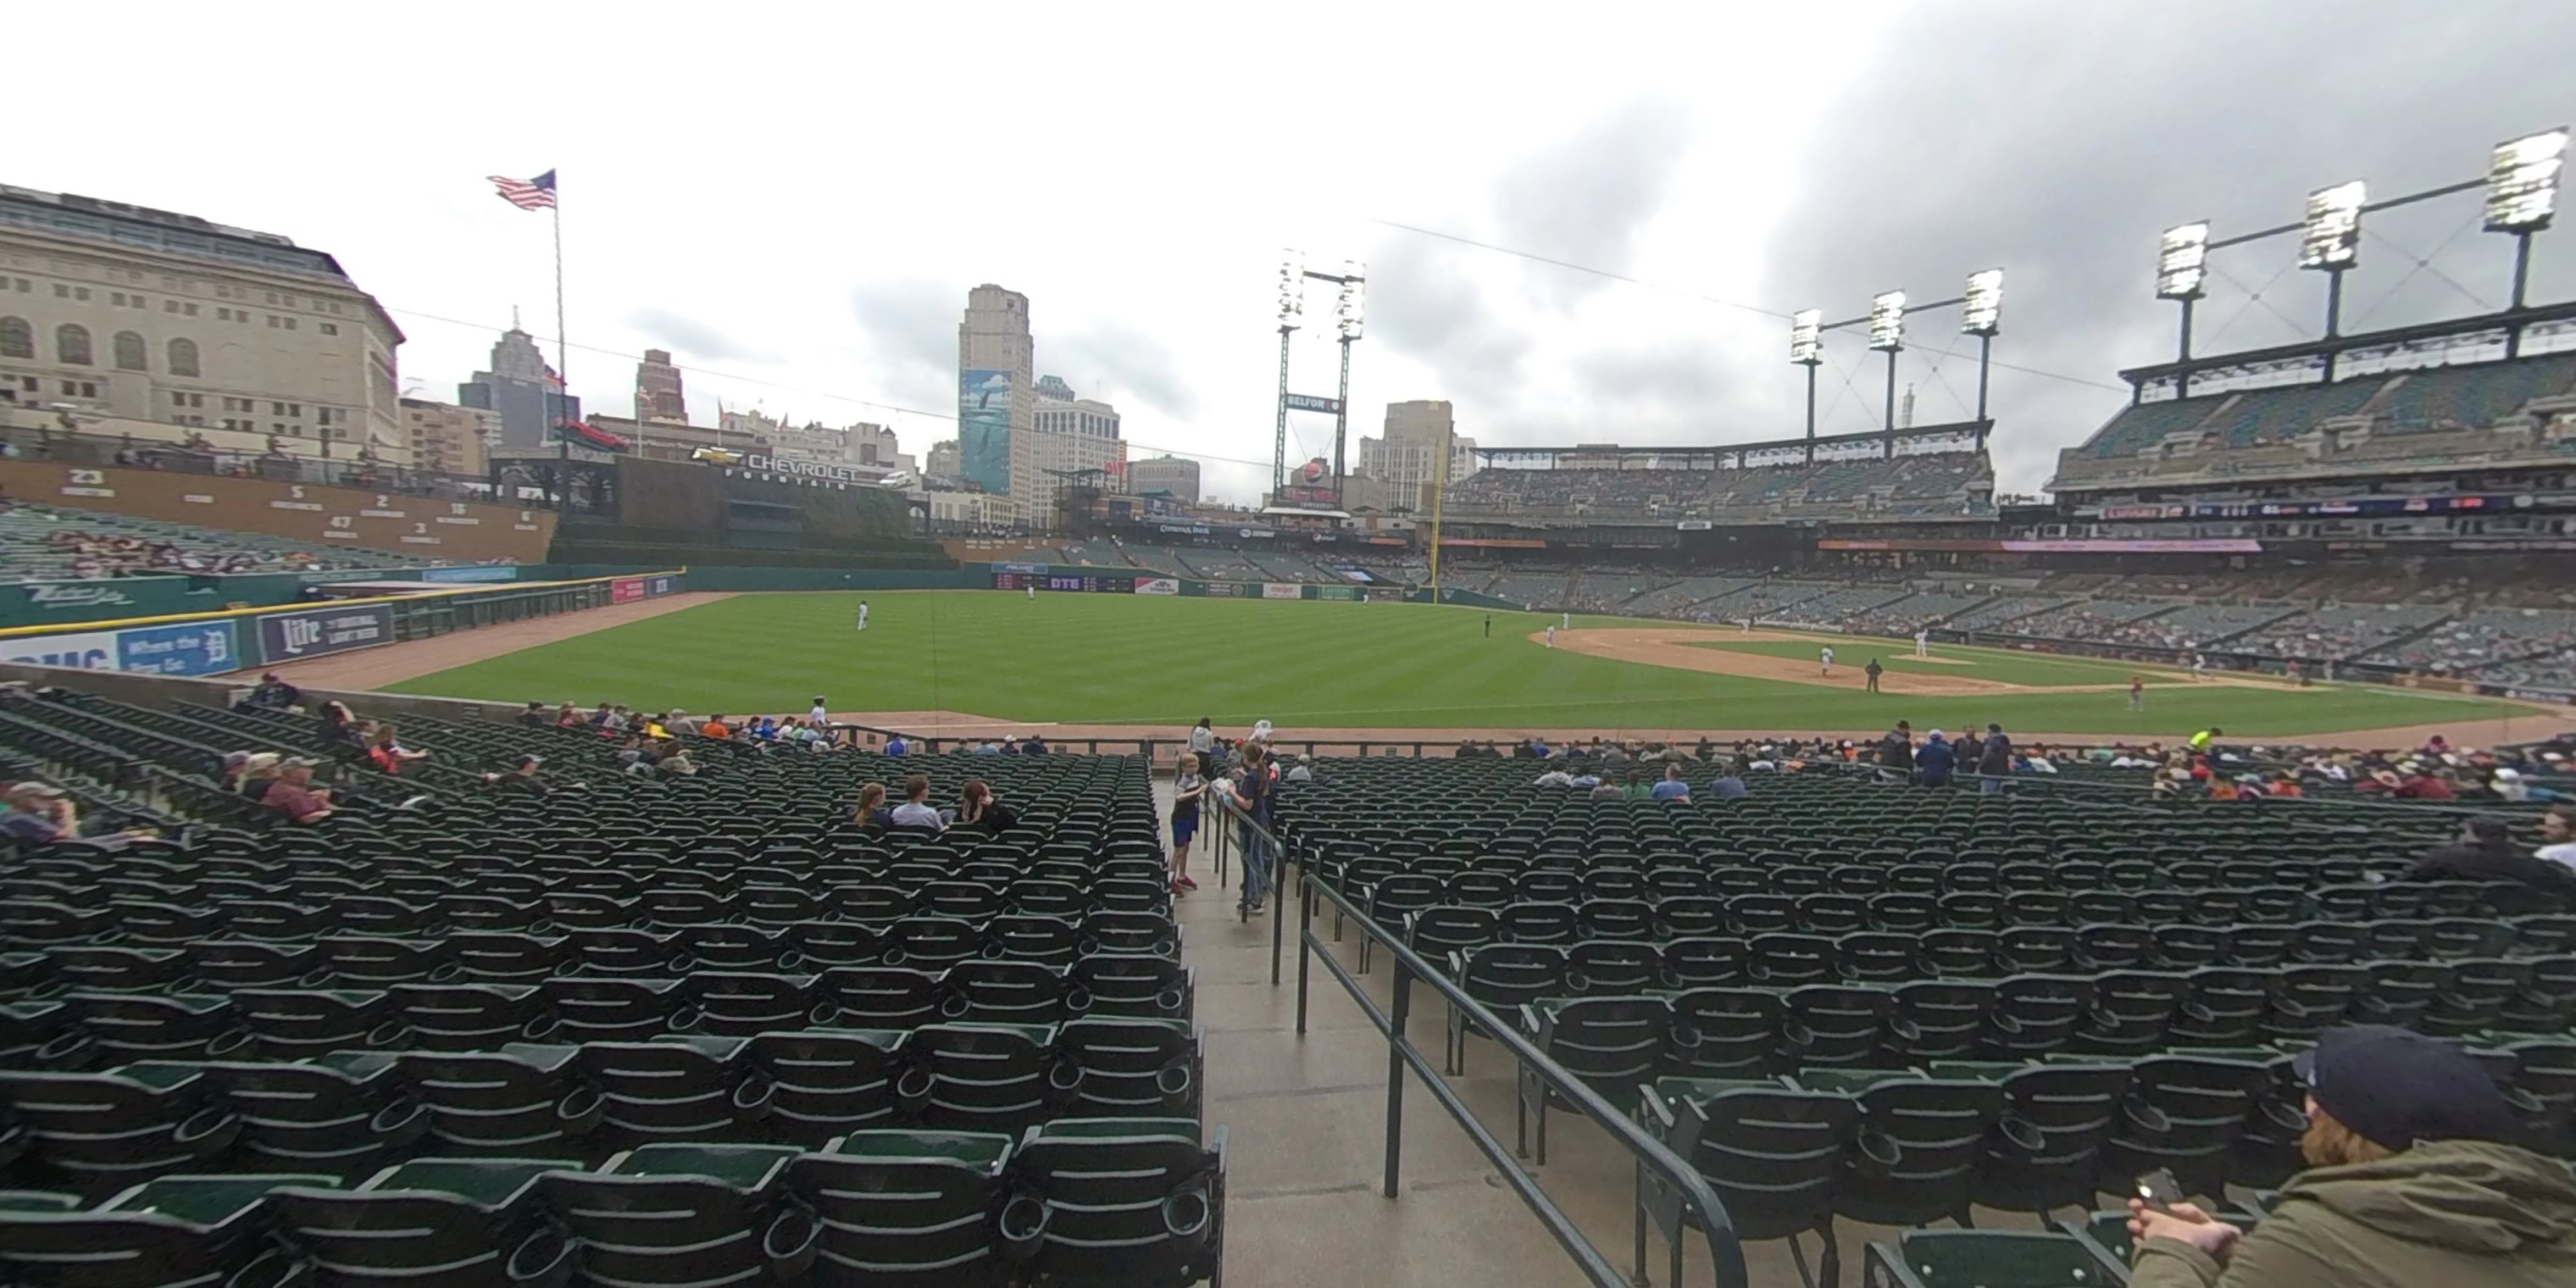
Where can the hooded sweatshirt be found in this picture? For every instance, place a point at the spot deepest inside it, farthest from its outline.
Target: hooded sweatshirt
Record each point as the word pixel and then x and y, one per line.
pixel 2452 1214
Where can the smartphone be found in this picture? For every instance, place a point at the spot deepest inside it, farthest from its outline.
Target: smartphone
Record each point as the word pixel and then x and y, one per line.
pixel 2159 1190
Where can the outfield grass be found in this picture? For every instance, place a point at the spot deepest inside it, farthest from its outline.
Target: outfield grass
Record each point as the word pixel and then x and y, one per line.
pixel 2008 666
pixel 1084 659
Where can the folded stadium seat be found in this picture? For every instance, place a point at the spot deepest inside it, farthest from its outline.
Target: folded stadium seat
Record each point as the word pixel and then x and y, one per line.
pixel 967 900
pixel 1960 952
pixel 97 969
pixel 828 1082
pixel 2547 1004
pixel 2311 999
pixel 1551 885
pixel 373 961
pixel 739 1004
pixel 1984 1259
pixel 1482 886
pixel 176 1230
pixel 1878 957
pixel 1006 992
pixel 2267 1154
pixel 2183 1112
pixel 1614 883
pixel 1528 922
pixel 523 1098
pixel 1755 914
pixel 1919 1141
pixel 2028 949
pixel 2046 1149
pixel 1120 931
pixel 616 1009
pixel 1941 1019
pixel 347 1115
pixel 2132 1014
pixel 1772 1153
pixel 1612 967
pixel 1972 910
pixel 2225 1007
pixel 1394 896
pixel 2112 945
pixel 109 1130
pixel 494 912
pixel 1790 960
pixel 682 1215
pixel 473 1017
pixel 675 1088
pixel 1133 984
pixel 166 925
pixel 993 1077
pixel 878 903
pixel 1615 919
pixel 1134 1068
pixel 471 1223
pixel 1119 1201
pixel 931 942
pixel 41 1035
pixel 2471 937
pixel 1828 913
pixel 1844 1026
pixel 2036 1015
pixel 735 947
pixel 1903 912
pixel 1045 938
pixel 2480 990
pixel 161 1026
pixel 1799 882
pixel 35 923
pixel 1047 897
pixel 300 1024
pixel 577 911
pixel 1611 1043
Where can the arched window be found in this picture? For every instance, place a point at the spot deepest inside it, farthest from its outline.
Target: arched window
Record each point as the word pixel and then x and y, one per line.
pixel 129 351
pixel 71 345
pixel 17 339
pixel 183 358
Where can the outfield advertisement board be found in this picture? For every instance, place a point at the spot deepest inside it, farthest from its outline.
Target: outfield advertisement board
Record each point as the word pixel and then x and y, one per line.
pixel 1158 586
pixel 473 573
pixel 625 590
pixel 314 632
pixel 656 587
pixel 1282 590
pixel 189 648
pixel 1337 592
pixel 1222 590
pixel 88 650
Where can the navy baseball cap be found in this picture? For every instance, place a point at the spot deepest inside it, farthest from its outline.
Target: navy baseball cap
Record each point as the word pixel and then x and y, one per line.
pixel 2396 1087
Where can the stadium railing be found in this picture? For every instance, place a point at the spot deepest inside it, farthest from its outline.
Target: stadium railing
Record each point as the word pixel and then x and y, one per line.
pixel 1726 1254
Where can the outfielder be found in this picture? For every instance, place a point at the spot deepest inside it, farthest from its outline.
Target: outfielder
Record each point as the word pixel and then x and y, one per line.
pixel 863 614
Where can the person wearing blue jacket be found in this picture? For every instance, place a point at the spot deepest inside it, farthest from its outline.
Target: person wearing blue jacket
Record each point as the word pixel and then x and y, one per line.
pixel 1936 761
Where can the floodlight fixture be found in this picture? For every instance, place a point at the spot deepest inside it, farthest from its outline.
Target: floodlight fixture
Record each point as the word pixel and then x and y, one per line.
pixel 2182 261
pixel 1807 337
pixel 1292 291
pixel 2330 235
pixel 1350 312
pixel 1982 313
pixel 2522 182
pixel 1887 321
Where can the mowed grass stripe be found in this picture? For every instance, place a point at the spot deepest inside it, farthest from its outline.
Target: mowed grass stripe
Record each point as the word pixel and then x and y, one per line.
pixel 1074 658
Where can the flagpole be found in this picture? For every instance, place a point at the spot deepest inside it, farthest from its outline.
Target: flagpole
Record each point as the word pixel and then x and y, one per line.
pixel 563 347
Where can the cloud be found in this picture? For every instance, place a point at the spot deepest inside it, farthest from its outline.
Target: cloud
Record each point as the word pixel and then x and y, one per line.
pixel 1116 362
pixel 907 335
pixel 693 341
pixel 2085 136
pixel 1586 197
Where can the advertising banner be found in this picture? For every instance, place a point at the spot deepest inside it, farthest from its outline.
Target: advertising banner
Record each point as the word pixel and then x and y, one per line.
pixel 1337 592
pixel 190 648
pixel 478 572
pixel 1158 586
pixel 625 590
pixel 984 428
pixel 314 632
pixel 657 587
pixel 1224 590
pixel 88 650
pixel 1038 570
pixel 1279 590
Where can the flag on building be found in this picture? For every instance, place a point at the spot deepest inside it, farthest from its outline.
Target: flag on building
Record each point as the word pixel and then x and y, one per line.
pixel 526 194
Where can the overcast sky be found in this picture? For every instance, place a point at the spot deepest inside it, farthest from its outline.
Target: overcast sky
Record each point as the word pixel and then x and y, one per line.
pixel 795 198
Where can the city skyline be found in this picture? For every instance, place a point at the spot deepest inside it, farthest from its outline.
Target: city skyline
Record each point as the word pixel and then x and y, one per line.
pixel 1859 155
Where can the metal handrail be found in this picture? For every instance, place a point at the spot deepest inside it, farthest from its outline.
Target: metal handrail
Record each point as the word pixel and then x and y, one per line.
pixel 1726 1253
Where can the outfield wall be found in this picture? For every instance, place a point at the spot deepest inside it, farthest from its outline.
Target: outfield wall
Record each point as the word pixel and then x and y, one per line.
pixel 230 640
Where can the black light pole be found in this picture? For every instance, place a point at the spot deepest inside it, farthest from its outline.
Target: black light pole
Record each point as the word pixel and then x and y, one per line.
pixel 1807 349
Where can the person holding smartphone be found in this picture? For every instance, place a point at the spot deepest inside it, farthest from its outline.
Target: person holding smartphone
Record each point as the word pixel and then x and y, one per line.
pixel 1188 789
pixel 2417 1179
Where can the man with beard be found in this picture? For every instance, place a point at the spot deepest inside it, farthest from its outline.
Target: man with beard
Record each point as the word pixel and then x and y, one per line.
pixel 2414 1180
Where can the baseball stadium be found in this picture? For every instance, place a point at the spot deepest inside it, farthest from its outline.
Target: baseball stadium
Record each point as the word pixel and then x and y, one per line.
pixel 654 867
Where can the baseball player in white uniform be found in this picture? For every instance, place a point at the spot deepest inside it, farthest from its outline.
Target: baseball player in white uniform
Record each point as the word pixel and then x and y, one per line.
pixel 1825 660
pixel 863 614
pixel 1923 642
pixel 1551 637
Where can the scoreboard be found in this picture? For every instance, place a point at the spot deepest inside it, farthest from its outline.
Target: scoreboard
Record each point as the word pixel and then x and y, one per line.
pixel 1095 583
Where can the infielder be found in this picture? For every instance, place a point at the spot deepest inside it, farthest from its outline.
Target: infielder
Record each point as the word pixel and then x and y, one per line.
pixel 1569 620
pixel 1551 637
pixel 1825 660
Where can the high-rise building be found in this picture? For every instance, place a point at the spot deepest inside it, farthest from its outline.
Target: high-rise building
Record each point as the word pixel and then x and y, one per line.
pixel 523 391
pixel 873 444
pixel 1407 459
pixel 447 438
pixel 1070 434
pixel 161 325
pixel 996 393
pixel 1176 475
pixel 944 460
pixel 658 395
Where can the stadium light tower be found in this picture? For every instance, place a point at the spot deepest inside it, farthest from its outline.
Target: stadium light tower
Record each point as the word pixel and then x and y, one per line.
pixel 1981 315
pixel 1887 335
pixel 2182 271
pixel 2522 195
pixel 2330 241
pixel 1348 319
pixel 1807 349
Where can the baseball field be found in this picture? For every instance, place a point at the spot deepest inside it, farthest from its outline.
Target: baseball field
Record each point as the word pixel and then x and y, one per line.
pixel 1074 661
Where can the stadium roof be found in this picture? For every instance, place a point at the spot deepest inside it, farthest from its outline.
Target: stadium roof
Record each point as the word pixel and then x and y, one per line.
pixel 1714 452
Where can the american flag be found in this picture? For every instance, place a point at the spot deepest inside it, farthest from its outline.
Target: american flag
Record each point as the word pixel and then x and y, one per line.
pixel 527 194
